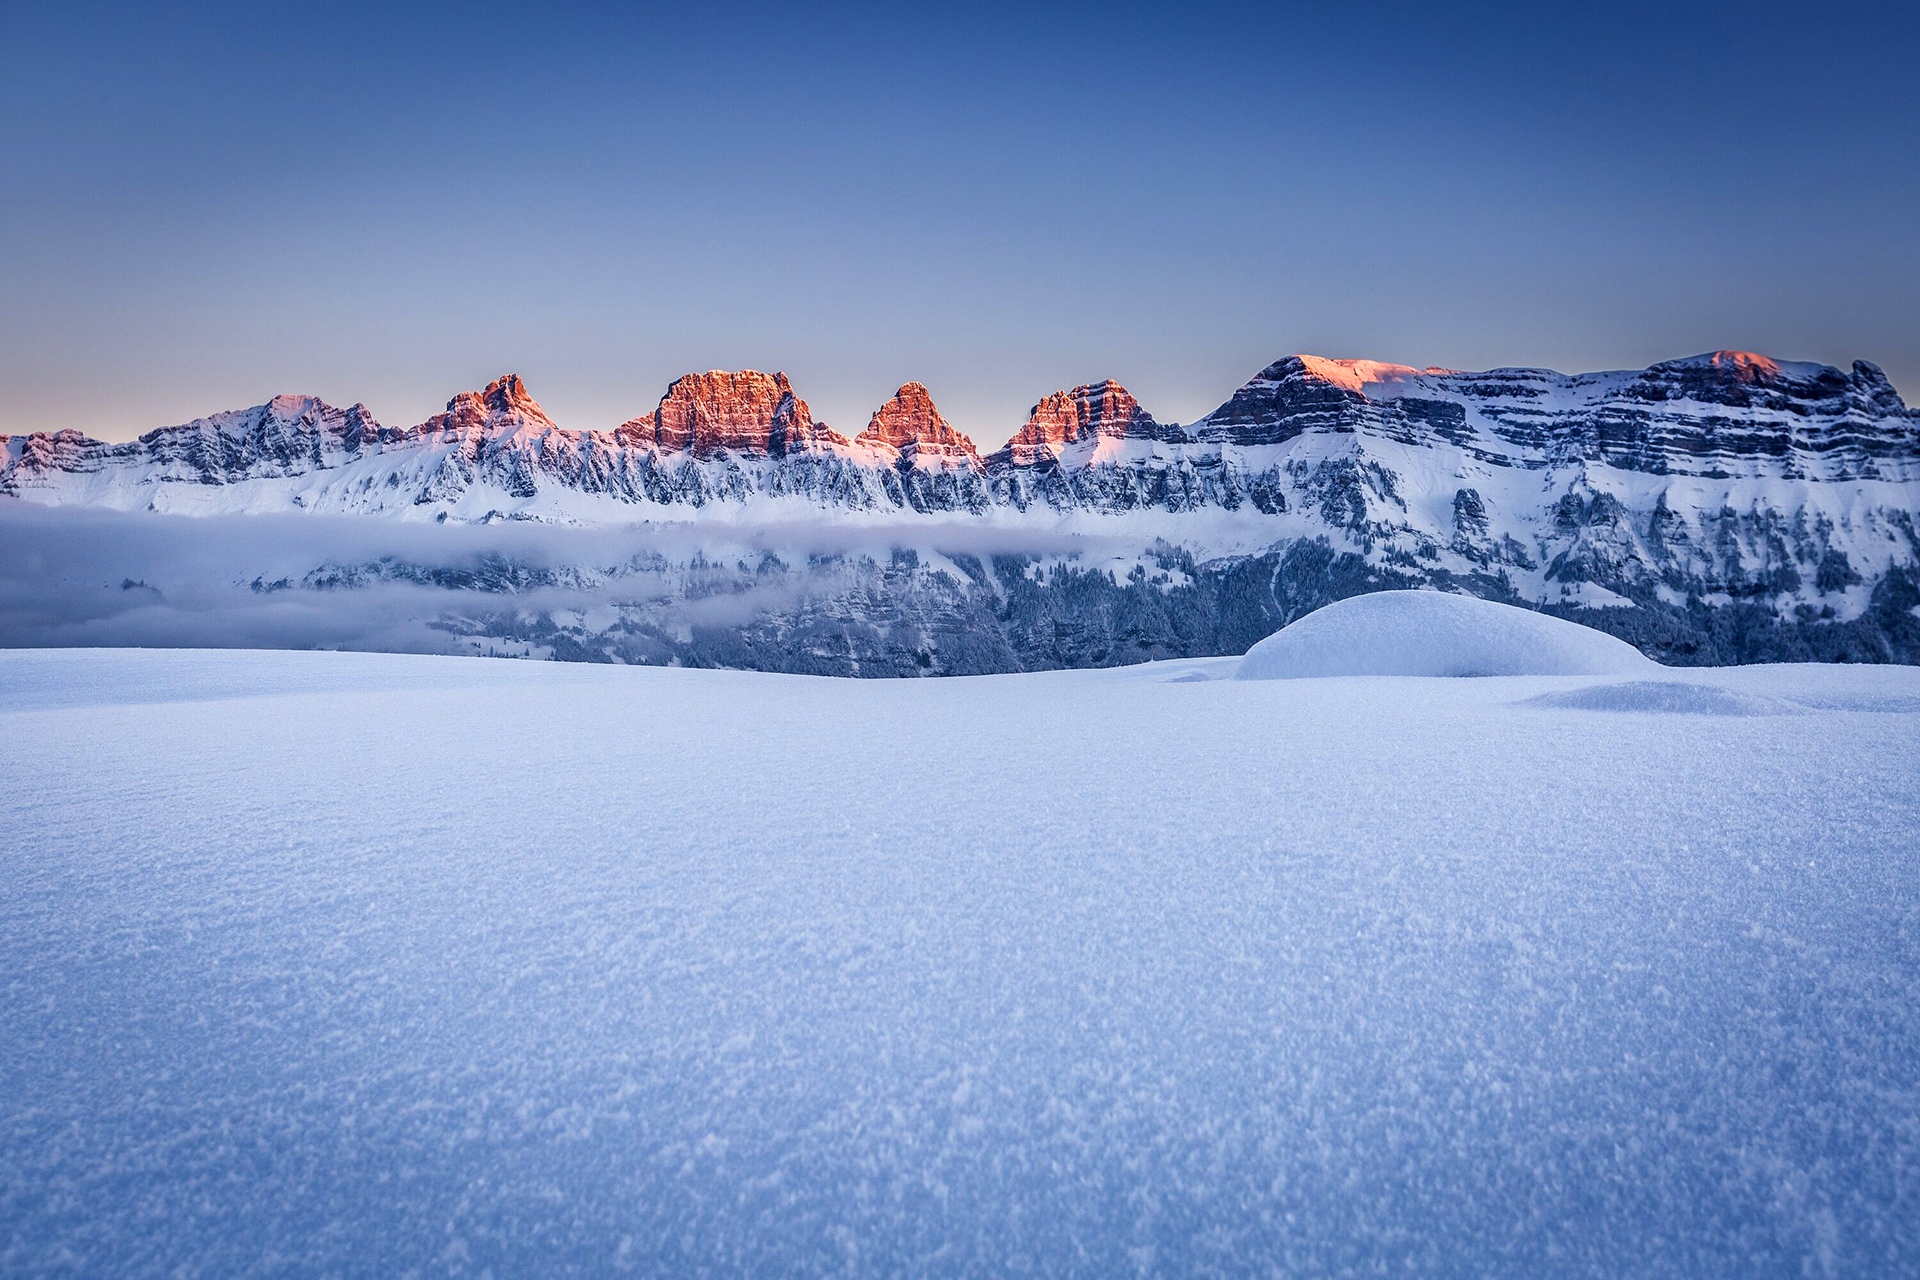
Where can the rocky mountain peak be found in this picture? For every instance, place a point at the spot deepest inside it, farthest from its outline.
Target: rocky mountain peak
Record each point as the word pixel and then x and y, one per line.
pixel 1740 380
pixel 1743 366
pixel 1095 410
pixel 508 394
pixel 503 406
pixel 1300 393
pixel 909 423
pixel 1311 373
pixel 1878 391
pixel 1735 368
pixel 291 408
pixel 1353 375
pixel 744 411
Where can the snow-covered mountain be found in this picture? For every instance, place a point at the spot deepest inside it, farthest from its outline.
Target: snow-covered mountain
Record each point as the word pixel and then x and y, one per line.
pixel 1725 490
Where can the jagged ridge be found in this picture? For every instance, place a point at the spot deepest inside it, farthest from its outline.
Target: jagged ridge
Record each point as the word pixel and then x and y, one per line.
pixel 1719 478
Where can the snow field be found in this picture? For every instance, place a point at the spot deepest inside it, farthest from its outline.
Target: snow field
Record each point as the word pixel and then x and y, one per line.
pixel 369 964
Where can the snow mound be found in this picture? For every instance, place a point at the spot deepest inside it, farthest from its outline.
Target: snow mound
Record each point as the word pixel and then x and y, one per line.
pixel 1432 633
pixel 1666 697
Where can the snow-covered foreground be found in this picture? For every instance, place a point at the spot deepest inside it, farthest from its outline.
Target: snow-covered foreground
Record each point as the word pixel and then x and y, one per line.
pixel 366 964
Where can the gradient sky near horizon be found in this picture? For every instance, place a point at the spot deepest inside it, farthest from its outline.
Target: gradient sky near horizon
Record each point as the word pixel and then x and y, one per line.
pixel 206 205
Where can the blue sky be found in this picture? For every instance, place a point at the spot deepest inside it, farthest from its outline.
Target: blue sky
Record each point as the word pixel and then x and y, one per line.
pixel 205 205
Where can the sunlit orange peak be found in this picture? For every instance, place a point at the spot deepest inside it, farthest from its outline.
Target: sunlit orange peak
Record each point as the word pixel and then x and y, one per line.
pixel 1747 364
pixel 1356 374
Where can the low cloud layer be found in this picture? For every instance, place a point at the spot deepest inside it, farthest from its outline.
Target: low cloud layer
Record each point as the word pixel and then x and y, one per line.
pixel 90 578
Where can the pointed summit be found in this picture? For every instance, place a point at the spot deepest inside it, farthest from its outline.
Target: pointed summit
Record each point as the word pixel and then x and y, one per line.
pixel 506 394
pixel 909 424
pixel 503 408
pixel 1095 411
pixel 290 407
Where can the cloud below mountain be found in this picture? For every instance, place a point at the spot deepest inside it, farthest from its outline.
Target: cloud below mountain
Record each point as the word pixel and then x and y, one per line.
pixel 96 578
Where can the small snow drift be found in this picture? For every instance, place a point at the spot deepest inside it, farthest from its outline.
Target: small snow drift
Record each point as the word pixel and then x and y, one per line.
pixel 1432 633
pixel 1666 697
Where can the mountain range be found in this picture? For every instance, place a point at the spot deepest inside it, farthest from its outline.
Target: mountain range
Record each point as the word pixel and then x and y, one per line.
pixel 1724 507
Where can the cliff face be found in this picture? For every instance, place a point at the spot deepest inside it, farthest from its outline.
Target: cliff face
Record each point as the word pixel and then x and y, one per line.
pixel 1089 414
pixel 910 426
pixel 1731 413
pixel 749 413
pixel 1730 483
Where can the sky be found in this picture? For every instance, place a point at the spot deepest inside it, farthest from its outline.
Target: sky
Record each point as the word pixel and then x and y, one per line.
pixel 204 205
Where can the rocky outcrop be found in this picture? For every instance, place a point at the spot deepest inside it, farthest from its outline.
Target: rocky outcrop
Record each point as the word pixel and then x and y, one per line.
pixel 1090 413
pixel 925 465
pixel 1291 397
pixel 912 430
pixel 1095 449
pixel 749 413
pixel 500 435
pixel 504 407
